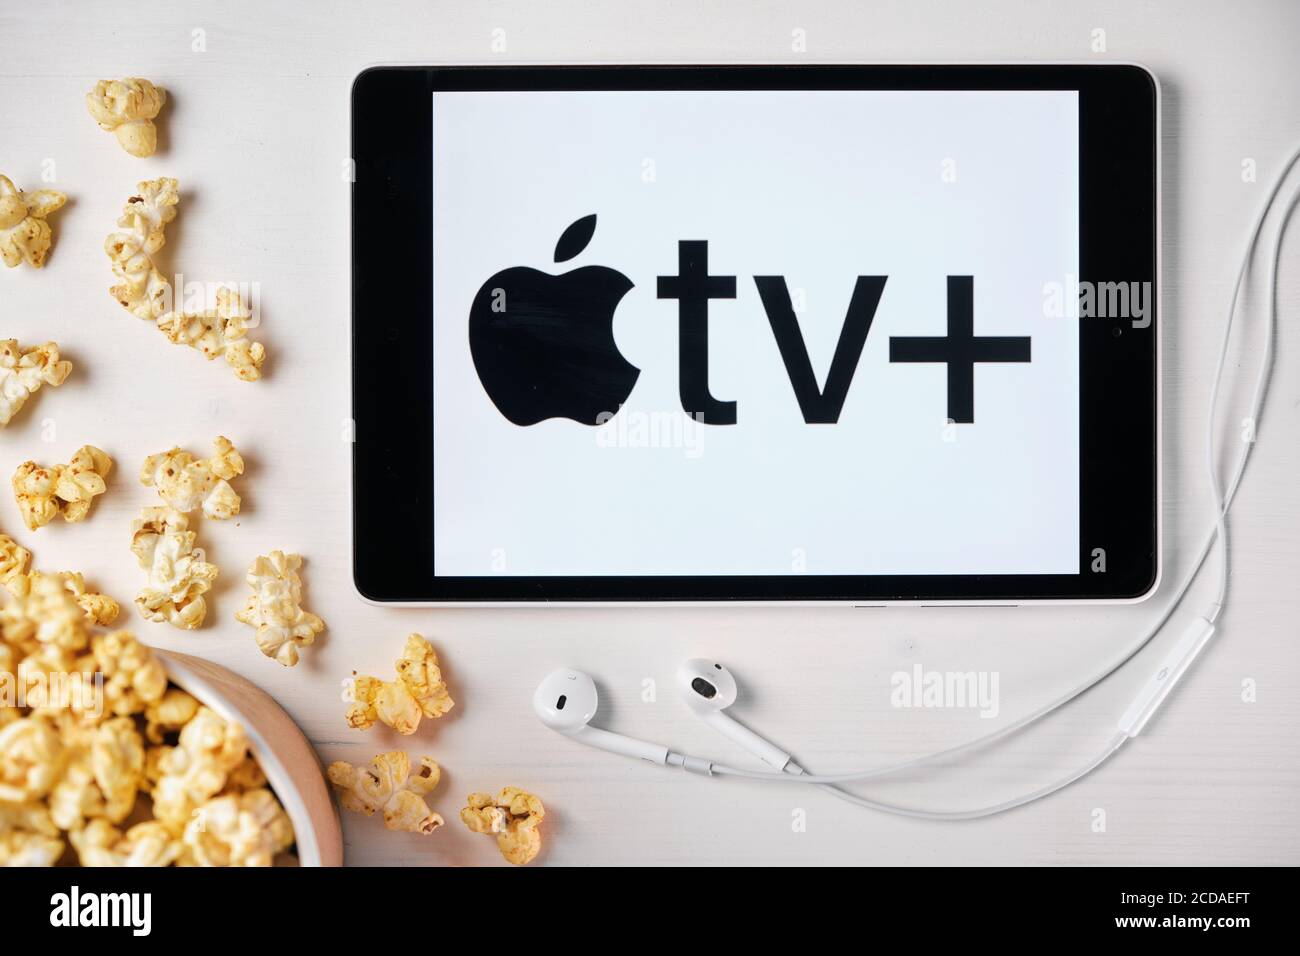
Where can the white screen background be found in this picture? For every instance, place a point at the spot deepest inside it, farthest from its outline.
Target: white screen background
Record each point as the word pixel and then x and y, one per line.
pixel 820 188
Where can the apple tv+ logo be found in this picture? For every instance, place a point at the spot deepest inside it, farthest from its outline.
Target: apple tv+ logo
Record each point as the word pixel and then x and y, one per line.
pixel 543 345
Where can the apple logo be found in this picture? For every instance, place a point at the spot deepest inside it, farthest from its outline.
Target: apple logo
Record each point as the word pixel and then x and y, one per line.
pixel 543 345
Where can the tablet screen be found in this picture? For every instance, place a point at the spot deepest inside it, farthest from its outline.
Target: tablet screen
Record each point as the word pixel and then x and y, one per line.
pixel 755 333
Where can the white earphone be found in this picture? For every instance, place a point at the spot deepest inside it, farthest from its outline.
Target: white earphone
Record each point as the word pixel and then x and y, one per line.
pixel 709 689
pixel 566 700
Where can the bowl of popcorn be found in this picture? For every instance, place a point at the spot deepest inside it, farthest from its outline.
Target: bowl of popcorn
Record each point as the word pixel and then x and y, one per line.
pixel 116 754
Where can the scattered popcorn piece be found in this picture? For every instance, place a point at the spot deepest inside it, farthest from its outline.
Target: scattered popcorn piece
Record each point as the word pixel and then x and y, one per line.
pixel 186 482
pixel 245 829
pixel 275 607
pixel 418 691
pixel 178 575
pixel 23 373
pixel 127 109
pixel 145 844
pixel 27 835
pixel 30 754
pixel 24 233
pixel 81 480
pixel 43 493
pixel 144 292
pixel 419 672
pixel 34 490
pixel 222 332
pixel 513 816
pixel 388 785
pixel 147 213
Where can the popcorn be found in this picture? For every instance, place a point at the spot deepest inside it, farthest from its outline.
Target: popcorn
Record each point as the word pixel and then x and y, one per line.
pixel 246 776
pixel 78 772
pixel 275 607
pixel 418 691
pixel 14 559
pixel 144 292
pixel 197 768
pixel 34 490
pixel 41 588
pixel 43 493
pixel 147 214
pixel 145 844
pixel 513 816
pixel 388 785
pixel 222 332
pixel 178 575
pixel 30 756
pixel 43 610
pixel 23 373
pixel 169 713
pixel 46 676
pixel 127 109
pixel 154 758
pixel 103 771
pixel 133 677
pixel 81 480
pixel 27 835
pixel 24 233
pixel 76 798
pixel 101 610
pixel 246 829
pixel 186 482
pixel 8 659
pixel 117 759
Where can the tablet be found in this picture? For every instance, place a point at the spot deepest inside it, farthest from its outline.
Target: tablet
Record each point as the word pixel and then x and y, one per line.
pixel 742 333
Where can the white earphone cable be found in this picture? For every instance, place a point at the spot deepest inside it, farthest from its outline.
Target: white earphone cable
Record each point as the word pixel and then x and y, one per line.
pixel 974 814
pixel 1221 503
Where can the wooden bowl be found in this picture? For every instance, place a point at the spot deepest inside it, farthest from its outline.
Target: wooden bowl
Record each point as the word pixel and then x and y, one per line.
pixel 288 760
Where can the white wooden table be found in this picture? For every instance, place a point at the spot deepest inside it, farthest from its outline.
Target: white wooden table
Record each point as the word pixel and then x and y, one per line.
pixel 256 130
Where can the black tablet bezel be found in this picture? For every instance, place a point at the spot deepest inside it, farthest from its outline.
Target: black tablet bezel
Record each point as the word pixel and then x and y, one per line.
pixel 393 508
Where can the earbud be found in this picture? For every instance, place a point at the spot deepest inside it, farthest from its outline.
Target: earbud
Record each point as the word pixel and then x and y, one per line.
pixel 709 689
pixel 566 701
